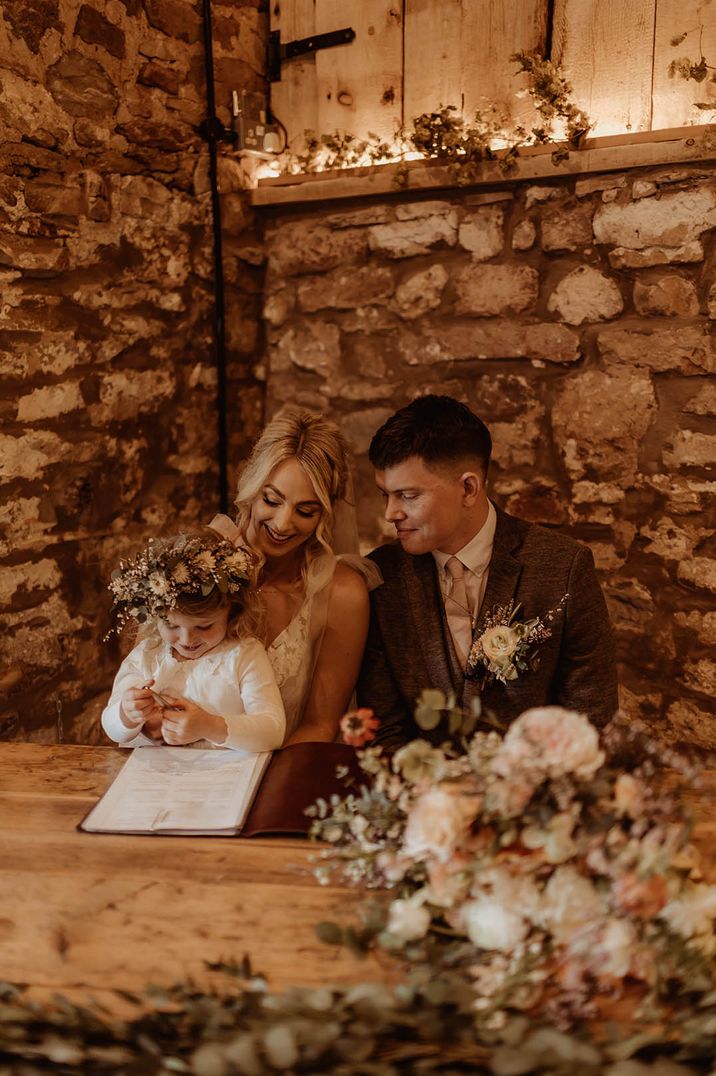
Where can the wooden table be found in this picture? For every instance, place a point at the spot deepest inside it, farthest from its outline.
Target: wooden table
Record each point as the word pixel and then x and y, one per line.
pixel 85 913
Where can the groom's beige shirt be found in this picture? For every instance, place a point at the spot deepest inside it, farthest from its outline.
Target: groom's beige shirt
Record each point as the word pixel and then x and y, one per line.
pixel 475 556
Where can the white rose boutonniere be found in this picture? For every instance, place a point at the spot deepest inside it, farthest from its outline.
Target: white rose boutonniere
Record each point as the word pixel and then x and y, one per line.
pixel 508 647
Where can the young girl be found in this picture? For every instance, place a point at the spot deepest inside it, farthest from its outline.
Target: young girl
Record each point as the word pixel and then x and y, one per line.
pixel 196 674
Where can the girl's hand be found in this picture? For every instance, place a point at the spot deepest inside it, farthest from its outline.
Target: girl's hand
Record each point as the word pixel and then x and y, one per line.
pixel 184 722
pixel 138 706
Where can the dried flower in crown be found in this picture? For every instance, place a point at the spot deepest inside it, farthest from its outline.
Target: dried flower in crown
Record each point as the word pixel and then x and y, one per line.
pixel 151 583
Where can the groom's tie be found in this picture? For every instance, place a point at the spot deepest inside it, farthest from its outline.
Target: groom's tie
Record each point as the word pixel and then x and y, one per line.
pixel 457 609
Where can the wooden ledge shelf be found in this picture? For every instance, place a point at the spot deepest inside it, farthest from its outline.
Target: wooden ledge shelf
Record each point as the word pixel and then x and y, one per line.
pixel 682 145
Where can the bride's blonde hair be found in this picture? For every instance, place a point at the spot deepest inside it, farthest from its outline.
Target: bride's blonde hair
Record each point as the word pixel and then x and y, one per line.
pixel 320 448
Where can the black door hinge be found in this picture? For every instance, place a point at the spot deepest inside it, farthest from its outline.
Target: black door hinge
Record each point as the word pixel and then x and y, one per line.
pixel 278 52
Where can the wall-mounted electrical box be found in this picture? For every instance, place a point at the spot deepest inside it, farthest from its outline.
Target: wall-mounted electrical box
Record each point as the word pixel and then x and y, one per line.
pixel 256 136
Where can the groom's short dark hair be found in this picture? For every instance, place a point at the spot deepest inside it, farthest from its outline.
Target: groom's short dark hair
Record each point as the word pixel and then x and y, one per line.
pixel 438 429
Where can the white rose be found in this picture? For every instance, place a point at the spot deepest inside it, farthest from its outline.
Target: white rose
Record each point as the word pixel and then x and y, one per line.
pixel 499 644
pixel 436 823
pixel 408 919
pixel 490 925
pixel 570 904
pixel 550 741
pixel 693 912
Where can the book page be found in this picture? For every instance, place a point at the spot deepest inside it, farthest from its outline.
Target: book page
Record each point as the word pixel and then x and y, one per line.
pixel 179 790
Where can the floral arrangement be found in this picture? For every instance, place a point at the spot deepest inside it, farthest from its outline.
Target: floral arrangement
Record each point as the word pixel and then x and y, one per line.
pixel 507 646
pixel 525 865
pixel 151 583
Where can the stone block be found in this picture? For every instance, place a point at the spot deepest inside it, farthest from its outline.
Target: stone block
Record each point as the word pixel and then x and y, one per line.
pixel 424 210
pixel 24 523
pixel 359 218
pixel 684 496
pixel 585 294
pixel 409 236
pixel 23 579
pixel 698 572
pixel 631 607
pixel 690 723
pixel 33 253
pixel 524 235
pixel 711 301
pixel 599 420
pixel 368 319
pixel 358 427
pixel 49 402
pixel 597 493
pixel 457 341
pixel 81 86
pixel 643 188
pixel 688 349
pixel 278 306
pixel 28 455
pixel 487 290
pixel 155 73
pixel 672 541
pixel 595 184
pixel 671 221
pixel 691 449
pixel 360 389
pixel 29 110
pixel 309 247
pixel 174 18
pixel 483 232
pixel 670 296
pixel 126 394
pixel 421 292
pixel 566 228
pixel 703 402
pixel 345 289
pixel 94 28
pixel 700 676
pixel 625 258
pixel 698 625
pixel 314 346
pixel 540 502
pixel 515 442
pixel 537 195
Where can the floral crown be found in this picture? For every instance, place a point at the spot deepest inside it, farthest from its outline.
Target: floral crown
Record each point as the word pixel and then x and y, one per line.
pixel 153 581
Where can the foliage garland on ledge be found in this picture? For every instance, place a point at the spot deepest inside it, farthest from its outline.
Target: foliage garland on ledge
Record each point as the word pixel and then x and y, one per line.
pixel 444 135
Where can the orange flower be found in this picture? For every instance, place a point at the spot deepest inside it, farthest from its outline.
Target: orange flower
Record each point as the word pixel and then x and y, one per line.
pixel 358 726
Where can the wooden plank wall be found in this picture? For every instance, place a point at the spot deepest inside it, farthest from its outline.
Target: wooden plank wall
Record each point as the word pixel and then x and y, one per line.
pixel 413 56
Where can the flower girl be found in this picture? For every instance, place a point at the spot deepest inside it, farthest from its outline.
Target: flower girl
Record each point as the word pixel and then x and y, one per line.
pixel 196 673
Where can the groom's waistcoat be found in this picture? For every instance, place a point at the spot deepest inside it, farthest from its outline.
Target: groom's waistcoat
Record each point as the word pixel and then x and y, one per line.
pixel 410 647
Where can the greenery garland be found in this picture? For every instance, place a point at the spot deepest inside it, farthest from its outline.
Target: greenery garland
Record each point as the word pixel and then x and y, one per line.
pixel 444 135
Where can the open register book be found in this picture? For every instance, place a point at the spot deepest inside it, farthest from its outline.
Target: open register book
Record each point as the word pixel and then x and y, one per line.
pixel 191 792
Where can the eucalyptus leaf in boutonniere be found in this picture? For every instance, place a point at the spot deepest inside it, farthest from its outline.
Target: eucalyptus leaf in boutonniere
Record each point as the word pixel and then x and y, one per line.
pixel 507 646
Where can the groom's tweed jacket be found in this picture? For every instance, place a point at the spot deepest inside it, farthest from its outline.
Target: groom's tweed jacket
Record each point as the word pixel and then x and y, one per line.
pixel 410 648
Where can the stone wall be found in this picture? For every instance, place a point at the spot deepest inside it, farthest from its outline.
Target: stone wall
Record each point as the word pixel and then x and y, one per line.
pixel 107 390
pixel 576 317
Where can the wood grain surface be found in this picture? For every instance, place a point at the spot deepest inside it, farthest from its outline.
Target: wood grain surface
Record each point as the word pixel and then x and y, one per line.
pixel 86 914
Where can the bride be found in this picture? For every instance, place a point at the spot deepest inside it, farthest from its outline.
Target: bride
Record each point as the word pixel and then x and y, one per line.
pixel 293 510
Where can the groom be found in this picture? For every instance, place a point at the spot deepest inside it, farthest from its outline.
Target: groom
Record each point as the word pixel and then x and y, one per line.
pixel 458 558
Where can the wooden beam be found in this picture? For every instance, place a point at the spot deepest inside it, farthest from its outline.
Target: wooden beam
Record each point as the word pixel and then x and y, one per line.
pixel 608 154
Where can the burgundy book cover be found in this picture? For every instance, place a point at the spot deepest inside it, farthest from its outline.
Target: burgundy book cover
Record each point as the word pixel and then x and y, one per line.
pixel 295 778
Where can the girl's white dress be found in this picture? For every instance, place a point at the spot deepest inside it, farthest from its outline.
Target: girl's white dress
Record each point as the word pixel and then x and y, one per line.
pixel 233 680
